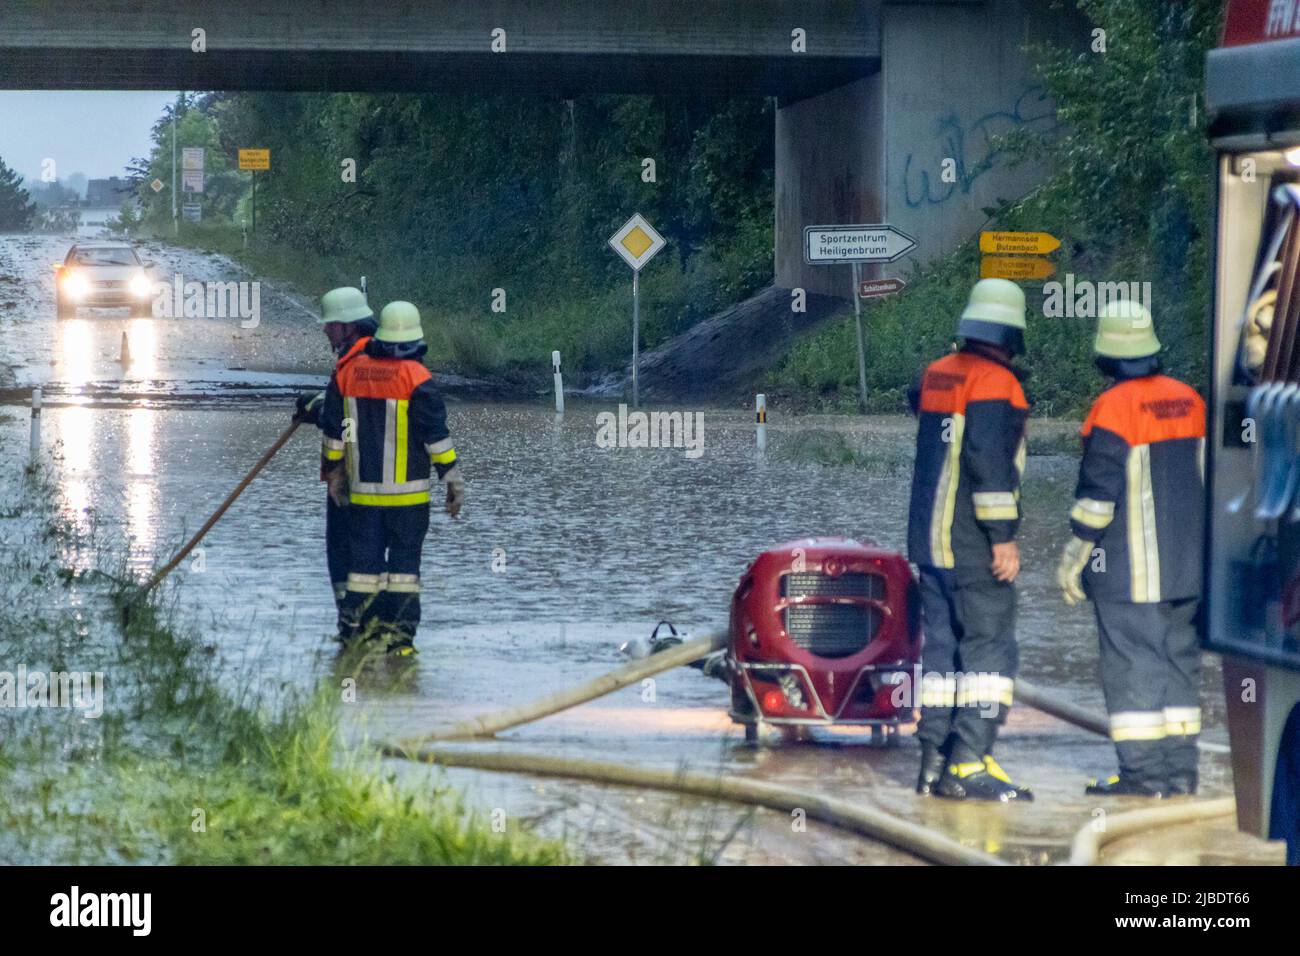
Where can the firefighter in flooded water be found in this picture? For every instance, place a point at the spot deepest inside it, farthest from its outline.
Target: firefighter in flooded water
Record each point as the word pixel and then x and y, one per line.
pixel 1136 551
pixel 348 323
pixel 964 515
pixel 385 436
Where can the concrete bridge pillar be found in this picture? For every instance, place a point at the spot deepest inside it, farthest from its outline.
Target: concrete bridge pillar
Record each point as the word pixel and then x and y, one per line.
pixel 829 169
pixel 916 143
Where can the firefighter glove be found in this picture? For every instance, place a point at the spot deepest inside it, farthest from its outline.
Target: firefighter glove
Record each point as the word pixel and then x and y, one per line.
pixel 308 408
pixel 455 492
pixel 336 483
pixel 1069 573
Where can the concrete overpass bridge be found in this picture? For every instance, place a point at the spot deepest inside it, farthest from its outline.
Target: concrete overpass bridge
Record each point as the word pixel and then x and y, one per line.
pixel 872 95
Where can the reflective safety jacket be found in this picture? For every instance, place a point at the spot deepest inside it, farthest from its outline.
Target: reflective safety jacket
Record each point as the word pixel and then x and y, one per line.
pixel 357 346
pixel 1141 491
pixel 970 452
pixel 384 419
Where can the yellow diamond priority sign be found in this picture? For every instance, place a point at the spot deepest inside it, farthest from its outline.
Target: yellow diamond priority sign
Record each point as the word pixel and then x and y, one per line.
pixel 637 242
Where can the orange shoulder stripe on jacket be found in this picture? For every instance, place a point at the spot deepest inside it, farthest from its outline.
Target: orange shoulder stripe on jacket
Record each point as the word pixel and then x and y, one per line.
pixel 993 382
pixel 369 377
pixel 1146 410
pixel 943 385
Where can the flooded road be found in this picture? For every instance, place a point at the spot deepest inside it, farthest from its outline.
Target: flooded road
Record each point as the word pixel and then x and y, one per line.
pixel 564 551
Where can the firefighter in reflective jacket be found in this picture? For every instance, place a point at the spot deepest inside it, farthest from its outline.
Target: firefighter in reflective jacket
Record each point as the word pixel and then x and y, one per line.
pixel 1136 552
pixel 965 511
pixel 385 434
pixel 347 321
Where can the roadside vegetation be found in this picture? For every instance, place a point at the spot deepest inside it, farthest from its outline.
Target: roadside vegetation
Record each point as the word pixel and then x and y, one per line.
pixel 491 214
pixel 444 200
pixel 185 765
pixel 1130 200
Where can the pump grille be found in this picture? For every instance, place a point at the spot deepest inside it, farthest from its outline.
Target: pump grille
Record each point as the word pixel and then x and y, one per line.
pixel 831 630
pixel 855 585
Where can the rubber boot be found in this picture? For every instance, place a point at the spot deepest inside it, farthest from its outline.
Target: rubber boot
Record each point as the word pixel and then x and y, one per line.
pixel 1121 786
pixel 400 644
pixel 1181 785
pixel 932 764
pixel 992 766
pixel 972 781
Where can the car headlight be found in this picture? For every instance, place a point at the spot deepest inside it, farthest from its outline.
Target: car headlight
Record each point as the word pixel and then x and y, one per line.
pixel 75 285
pixel 140 285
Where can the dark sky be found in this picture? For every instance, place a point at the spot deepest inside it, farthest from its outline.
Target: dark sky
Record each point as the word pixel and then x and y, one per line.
pixel 96 133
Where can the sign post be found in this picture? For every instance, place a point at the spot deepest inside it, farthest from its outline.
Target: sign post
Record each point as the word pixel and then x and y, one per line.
pixel 637 243
pixel 254 160
pixel 856 244
pixel 176 223
pixel 862 344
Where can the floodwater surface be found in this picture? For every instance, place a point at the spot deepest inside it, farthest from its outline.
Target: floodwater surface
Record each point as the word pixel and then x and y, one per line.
pixel 564 550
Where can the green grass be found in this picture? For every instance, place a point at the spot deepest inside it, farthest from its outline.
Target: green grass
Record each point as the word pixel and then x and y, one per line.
pixel 904 333
pixel 548 305
pixel 182 767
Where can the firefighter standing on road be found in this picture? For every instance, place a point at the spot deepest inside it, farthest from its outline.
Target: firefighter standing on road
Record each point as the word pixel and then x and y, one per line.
pixel 1136 552
pixel 348 324
pixel 385 433
pixel 965 511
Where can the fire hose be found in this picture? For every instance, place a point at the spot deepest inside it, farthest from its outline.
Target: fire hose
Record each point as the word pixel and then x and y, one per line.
pixel 1090 838
pixel 867 821
pixel 630 673
pixel 920 841
pixel 1086 849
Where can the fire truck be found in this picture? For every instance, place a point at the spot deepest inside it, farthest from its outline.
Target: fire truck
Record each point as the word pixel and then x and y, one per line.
pixel 1251 613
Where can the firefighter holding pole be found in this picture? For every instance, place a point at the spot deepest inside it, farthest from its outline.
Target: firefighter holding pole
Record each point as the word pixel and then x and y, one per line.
pixel 348 323
pixel 1136 552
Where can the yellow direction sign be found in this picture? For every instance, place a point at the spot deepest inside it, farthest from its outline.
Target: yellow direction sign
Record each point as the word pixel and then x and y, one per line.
pixel 1016 268
pixel 1018 243
pixel 254 159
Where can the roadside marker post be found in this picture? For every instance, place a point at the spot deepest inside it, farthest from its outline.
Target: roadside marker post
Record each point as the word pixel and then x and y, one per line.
pixel 760 419
pixel 637 243
pixel 34 448
pixel 559 383
pixel 855 245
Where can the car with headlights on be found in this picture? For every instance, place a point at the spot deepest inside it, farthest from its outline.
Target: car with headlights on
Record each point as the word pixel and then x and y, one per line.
pixel 103 275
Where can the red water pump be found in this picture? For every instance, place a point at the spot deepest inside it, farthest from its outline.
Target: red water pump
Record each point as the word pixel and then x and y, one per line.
pixel 824 632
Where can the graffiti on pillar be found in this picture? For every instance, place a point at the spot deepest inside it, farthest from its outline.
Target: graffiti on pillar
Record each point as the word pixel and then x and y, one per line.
pixel 972 146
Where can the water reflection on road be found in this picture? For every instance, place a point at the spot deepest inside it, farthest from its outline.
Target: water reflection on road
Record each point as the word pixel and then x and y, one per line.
pixel 564 551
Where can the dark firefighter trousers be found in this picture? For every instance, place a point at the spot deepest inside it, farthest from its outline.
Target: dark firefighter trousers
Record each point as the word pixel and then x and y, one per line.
pixel 338 547
pixel 384 577
pixel 968 662
pixel 1151 676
